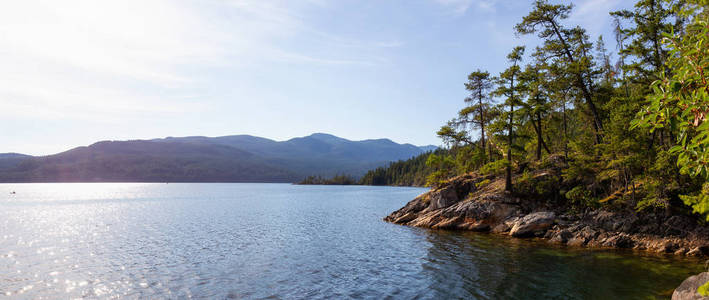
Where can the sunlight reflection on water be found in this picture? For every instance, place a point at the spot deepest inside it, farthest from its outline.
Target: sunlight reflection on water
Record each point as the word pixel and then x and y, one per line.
pixel 273 240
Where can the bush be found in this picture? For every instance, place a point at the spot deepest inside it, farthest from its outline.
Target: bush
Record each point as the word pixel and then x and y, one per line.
pixel 581 196
pixel 495 168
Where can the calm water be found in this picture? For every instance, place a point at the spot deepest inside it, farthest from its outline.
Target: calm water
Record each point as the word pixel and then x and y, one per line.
pixel 283 241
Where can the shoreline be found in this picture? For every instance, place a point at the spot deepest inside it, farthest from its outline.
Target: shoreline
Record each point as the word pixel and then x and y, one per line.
pixel 461 205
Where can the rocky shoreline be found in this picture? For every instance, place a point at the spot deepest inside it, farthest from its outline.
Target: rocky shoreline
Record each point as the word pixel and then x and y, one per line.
pixel 478 203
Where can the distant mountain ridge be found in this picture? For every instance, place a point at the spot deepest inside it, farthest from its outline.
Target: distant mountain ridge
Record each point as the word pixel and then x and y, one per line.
pixel 235 158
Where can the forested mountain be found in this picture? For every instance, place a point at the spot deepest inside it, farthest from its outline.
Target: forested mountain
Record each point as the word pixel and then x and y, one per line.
pixel 239 158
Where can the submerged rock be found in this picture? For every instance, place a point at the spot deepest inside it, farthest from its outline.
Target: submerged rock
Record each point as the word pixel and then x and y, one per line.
pixel 688 289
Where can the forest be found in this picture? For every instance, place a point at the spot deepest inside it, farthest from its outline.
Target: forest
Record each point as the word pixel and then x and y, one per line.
pixel 630 125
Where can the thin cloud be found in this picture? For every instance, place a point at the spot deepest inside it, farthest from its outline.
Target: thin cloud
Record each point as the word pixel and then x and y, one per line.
pixel 593 15
pixel 92 61
pixel 460 7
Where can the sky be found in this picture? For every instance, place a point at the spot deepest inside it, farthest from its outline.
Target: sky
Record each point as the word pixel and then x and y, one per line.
pixel 76 72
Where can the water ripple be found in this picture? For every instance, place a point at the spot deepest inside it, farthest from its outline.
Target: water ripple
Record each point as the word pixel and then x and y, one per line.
pixel 274 241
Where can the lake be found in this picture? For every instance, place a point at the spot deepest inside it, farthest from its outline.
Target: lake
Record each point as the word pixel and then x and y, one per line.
pixel 280 241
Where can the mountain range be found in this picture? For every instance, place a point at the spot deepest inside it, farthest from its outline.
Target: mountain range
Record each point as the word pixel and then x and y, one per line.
pixel 235 158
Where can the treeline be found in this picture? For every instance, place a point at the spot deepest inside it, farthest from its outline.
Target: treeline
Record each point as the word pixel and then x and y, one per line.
pixel 335 180
pixel 411 172
pixel 634 119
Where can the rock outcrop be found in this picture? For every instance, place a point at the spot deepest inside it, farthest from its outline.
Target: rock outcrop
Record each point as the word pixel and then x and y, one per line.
pixel 478 203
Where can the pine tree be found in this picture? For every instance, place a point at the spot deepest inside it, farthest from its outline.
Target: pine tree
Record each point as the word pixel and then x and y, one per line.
pixel 479 103
pixel 507 86
pixel 559 41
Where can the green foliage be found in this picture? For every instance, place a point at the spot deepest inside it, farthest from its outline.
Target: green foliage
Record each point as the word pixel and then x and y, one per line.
pixel 660 182
pixel 411 172
pixel 581 196
pixel 509 87
pixel 482 183
pixel 451 137
pixel 679 102
pixel 537 185
pixel 478 113
pixel 635 130
pixel 699 202
pixel 335 180
pixel 443 166
pixel 704 289
pixel 495 168
pixel 469 159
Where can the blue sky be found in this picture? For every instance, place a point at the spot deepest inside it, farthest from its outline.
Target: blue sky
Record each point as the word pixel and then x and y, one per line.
pixel 76 72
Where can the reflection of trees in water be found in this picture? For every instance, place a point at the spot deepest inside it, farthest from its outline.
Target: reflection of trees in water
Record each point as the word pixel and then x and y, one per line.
pixel 472 265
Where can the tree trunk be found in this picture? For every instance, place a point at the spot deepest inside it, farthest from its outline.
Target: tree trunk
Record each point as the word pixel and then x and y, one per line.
pixel 566 139
pixel 508 173
pixel 539 137
pixel 489 150
pixel 537 125
pixel 655 22
pixel 482 124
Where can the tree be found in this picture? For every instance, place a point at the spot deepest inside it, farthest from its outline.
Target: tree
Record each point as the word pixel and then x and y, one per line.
pixel 443 166
pixel 533 82
pixel 680 102
pixel 479 84
pixel 607 70
pixel 572 98
pixel 544 20
pixel 507 87
pixel 645 53
pixel 453 137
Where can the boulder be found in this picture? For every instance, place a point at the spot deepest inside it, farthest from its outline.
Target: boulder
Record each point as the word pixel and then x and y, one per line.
pixel 663 246
pixel 698 251
pixel 562 236
pixel 443 197
pixel 619 241
pixel 582 237
pixel 532 223
pixel 479 227
pixel 609 221
pixel 501 228
pixel 688 289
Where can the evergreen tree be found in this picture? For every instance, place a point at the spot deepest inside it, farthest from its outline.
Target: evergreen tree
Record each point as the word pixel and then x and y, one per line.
pixel 507 86
pixel 477 112
pixel 559 41
pixel 532 80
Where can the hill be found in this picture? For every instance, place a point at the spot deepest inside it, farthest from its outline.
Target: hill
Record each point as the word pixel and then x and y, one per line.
pixel 236 158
